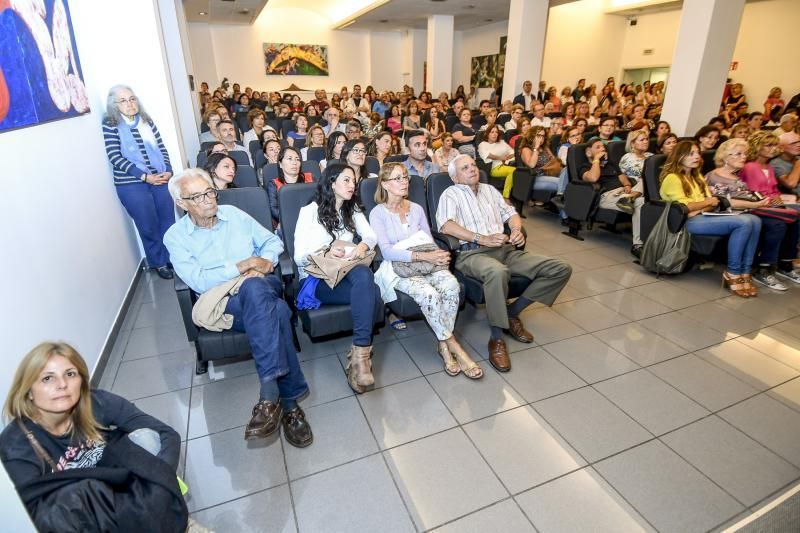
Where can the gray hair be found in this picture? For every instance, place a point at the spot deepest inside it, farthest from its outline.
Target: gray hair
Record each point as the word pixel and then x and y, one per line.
pixel 632 136
pixel 113 116
pixel 175 182
pixel 451 168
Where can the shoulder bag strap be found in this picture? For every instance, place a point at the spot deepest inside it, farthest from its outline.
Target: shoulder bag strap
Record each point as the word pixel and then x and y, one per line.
pixel 37 447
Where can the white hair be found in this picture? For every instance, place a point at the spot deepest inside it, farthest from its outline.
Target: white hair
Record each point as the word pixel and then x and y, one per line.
pixel 451 168
pixel 175 182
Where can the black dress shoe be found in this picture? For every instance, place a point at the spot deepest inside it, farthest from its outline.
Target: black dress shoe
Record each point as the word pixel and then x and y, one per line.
pixel 265 420
pixel 296 429
pixel 164 272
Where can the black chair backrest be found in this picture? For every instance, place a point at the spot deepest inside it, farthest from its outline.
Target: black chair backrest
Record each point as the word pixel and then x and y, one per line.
pixel 450 121
pixel 502 118
pixel 555 142
pixel 254 147
pixel 396 158
pixel 651 173
pixel 416 192
pixel 252 200
pixel 372 166
pixel 314 120
pixel 291 200
pixel 242 123
pixel 708 161
pixel 259 159
pixel 275 124
pixel 245 177
pixel 206 145
pixel 316 153
pixel 653 146
pixel 311 167
pixel 484 177
pixel 240 157
pixel 201 159
pixel 621 134
pixel 435 186
pixel 510 133
pixel 616 150
pixel 269 172
pixel 576 156
pixel 287 125
pixel 299 143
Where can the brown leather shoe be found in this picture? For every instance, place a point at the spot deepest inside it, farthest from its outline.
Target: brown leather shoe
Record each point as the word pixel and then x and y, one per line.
pixel 296 429
pixel 518 331
pixel 498 355
pixel 266 419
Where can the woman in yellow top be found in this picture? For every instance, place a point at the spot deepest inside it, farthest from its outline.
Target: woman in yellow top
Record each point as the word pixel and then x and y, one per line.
pixel 682 182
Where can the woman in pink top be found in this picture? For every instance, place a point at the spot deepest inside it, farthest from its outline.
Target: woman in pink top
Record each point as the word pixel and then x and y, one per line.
pixel 757 173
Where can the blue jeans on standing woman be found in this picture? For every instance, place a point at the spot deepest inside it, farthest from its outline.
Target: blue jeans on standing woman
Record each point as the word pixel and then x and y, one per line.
pixel 744 231
pixel 153 212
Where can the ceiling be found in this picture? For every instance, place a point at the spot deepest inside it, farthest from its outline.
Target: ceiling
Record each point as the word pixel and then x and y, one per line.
pixel 223 11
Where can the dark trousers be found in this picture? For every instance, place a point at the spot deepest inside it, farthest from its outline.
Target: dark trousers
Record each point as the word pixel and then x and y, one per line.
pixel 778 241
pixel 264 316
pixel 153 212
pixel 358 290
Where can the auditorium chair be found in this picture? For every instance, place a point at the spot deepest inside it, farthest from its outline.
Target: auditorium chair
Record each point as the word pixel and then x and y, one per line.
pixel 240 157
pixel 311 167
pixel 245 177
pixel 255 147
pixel 616 149
pixel 316 153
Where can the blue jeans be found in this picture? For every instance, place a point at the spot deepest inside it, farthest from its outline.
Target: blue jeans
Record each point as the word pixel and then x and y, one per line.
pixel 545 183
pixel 260 312
pixel 358 290
pixel 744 232
pixel 778 241
pixel 563 179
pixel 153 212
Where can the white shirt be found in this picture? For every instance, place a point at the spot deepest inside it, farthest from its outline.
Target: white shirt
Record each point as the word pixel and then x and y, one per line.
pixel 499 149
pixel 314 235
pixel 483 213
pixel 545 122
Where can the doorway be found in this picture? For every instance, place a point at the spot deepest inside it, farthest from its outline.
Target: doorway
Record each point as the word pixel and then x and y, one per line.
pixel 637 76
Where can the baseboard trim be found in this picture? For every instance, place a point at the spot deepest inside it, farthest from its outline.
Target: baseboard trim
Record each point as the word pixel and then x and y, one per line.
pixel 108 346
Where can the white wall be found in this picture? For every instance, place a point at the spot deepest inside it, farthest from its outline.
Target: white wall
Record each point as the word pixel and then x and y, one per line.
pixel 238 50
pixel 384 50
pixel 70 249
pixel 656 32
pixel 204 63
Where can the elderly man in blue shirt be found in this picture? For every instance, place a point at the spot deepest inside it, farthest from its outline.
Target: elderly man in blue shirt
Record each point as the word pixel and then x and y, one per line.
pixel 214 244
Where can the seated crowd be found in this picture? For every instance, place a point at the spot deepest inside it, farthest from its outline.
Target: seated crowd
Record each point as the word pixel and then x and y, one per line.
pixel 398 249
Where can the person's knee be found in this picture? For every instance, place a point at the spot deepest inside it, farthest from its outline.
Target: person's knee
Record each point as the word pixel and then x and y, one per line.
pixel 260 287
pixel 498 273
pixel 146 438
pixel 361 275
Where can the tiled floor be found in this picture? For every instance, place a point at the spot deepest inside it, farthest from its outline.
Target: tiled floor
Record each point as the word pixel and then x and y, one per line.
pixel 643 405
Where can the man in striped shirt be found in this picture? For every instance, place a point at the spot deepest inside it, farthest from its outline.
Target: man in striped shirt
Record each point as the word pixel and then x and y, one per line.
pixel 475 213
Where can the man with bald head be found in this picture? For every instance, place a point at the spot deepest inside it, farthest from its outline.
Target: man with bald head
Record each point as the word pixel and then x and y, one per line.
pixel 474 213
pixel 214 244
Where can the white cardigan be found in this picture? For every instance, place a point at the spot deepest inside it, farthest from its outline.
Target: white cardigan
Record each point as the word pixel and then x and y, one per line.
pixel 310 235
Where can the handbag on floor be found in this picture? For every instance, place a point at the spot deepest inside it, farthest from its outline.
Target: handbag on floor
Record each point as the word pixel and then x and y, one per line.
pixel 665 252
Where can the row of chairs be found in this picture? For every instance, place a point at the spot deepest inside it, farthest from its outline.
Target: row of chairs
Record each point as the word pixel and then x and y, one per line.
pixel 328 320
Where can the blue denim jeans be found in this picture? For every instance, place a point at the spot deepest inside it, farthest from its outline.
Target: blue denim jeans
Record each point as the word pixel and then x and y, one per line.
pixel 545 183
pixel 260 312
pixel 778 241
pixel 358 290
pixel 153 212
pixel 744 232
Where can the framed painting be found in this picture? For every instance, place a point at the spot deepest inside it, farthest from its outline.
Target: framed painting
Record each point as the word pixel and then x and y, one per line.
pixel 40 73
pixel 281 59
pixel 483 71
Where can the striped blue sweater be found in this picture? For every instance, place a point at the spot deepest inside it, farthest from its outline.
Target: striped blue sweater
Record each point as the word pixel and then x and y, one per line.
pixel 130 165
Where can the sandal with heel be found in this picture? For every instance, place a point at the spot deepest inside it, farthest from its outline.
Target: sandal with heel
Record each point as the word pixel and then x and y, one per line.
pixel 451 366
pixel 747 279
pixel 470 368
pixel 736 284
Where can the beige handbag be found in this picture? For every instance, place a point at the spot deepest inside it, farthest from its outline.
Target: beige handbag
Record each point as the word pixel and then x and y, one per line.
pixel 332 270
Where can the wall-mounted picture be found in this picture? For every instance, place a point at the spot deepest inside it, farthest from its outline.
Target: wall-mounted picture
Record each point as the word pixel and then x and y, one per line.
pixel 281 59
pixel 483 71
pixel 40 73
pixel 501 60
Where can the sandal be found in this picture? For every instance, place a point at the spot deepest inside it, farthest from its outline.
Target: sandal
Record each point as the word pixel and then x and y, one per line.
pixel 736 284
pixel 398 324
pixel 451 366
pixel 747 279
pixel 470 368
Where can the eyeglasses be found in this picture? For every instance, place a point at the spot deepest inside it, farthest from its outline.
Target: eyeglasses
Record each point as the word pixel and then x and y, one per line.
pixel 737 154
pixel 210 194
pixel 399 179
pixel 358 151
pixel 131 100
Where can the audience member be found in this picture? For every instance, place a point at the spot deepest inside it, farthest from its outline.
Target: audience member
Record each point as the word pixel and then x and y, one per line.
pixel 257 121
pixel 494 151
pixel 314 139
pixel 380 146
pixel 445 153
pixel 682 182
pixel 141 171
pixel 539 118
pixel 666 143
pixel 488 254
pixel 332 118
pixel 209 237
pixel 464 134
pixel 300 131
pixel 222 169
pixel 707 137
pixel 787 164
pixel 330 220
pixel 211 119
pixel 435 127
pixel 774 102
pixel 272 147
pixel 534 153
pixel 227 134
pixel 417 162
pixel 395 120
pixel 334 149
pixel 289 172
pixel 525 98
pixel 354 153
pixel 605 132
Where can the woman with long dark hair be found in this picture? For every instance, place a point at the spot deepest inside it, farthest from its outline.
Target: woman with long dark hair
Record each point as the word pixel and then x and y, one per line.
pixel 333 149
pixel 354 154
pixel 334 222
pixel 222 169
pixel 682 182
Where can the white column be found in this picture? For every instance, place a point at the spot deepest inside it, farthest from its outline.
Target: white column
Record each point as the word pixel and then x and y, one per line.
pixel 527 27
pixel 413 58
pixel 440 54
pixel 703 52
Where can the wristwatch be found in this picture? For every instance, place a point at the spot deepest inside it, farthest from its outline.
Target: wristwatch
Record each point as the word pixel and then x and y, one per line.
pixel 477 237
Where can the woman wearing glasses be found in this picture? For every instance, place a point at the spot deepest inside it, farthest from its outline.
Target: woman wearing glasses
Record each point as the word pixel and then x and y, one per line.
pixel 396 219
pixel 141 171
pixel 354 154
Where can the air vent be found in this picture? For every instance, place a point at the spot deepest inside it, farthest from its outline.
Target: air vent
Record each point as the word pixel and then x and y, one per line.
pixel 647 52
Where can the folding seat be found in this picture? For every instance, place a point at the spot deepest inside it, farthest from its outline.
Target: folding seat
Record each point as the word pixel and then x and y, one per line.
pixel 255 147
pixel 315 153
pixel 313 168
pixel 616 149
pixel 372 165
pixel 245 177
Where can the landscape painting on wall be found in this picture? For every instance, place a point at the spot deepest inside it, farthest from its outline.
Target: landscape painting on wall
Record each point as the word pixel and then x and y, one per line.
pixel 40 73
pixel 483 71
pixel 282 59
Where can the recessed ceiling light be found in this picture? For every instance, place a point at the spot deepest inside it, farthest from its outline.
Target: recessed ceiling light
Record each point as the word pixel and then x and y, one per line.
pixel 202 13
pixel 470 6
pixel 384 21
pixel 489 20
pixel 244 11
